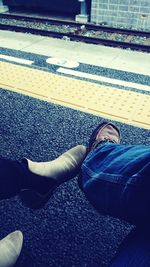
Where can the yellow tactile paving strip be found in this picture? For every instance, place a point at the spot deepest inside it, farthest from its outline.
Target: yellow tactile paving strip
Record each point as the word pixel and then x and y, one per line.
pixel 108 102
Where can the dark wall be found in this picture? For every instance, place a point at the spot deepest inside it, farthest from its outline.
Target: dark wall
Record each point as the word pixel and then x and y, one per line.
pixel 65 6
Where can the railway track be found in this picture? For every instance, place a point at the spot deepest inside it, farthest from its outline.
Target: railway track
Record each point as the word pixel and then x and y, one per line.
pixel 70 30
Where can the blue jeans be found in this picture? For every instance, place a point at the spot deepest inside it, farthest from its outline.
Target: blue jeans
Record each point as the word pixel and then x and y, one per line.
pixel 134 250
pixel 116 180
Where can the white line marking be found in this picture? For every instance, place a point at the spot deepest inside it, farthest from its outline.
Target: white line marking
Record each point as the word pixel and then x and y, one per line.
pixel 16 59
pixel 104 79
pixel 62 62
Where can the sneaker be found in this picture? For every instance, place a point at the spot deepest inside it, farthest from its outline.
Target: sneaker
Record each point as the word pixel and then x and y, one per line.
pixel 104 132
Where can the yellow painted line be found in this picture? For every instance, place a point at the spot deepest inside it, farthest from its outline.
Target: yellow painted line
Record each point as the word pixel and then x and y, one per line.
pixel 112 103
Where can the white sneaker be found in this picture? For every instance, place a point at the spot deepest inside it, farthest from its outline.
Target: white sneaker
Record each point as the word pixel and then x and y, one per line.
pixel 10 248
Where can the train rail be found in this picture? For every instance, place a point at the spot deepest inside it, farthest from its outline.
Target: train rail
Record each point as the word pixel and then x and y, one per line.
pixel 70 30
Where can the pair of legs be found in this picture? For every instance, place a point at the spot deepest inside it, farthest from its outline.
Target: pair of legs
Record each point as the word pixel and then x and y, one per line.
pixel 114 177
pixel 35 183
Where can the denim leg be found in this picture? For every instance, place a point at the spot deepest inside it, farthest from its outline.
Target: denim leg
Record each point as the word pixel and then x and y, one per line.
pixel 115 179
pixel 134 251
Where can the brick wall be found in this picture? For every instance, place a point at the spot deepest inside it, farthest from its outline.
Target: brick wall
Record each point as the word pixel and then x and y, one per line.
pixel 131 14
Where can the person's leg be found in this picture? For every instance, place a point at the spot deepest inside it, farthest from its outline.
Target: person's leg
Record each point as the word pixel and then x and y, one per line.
pixel 15 175
pixel 10 248
pixel 54 172
pixel 115 179
pixel 38 180
pixel 65 167
pixel 11 173
pixel 134 251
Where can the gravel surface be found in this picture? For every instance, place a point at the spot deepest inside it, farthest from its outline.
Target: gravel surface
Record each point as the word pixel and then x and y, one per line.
pixel 75 30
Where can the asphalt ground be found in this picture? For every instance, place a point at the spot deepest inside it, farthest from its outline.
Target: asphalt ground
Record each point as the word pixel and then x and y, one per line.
pixel 67 232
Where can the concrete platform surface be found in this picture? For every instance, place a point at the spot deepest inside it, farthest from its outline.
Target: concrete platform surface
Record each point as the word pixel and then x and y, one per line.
pixel 131 61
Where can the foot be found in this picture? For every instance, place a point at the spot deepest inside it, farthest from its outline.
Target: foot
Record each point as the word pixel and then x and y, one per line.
pixel 104 132
pixel 57 171
pixel 10 248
